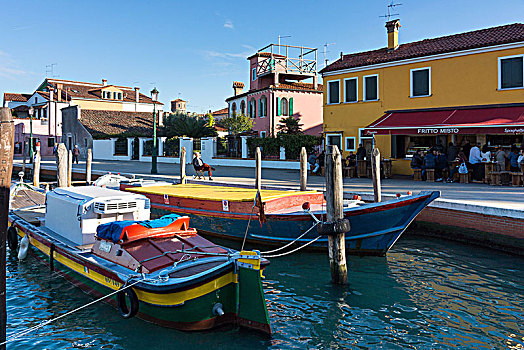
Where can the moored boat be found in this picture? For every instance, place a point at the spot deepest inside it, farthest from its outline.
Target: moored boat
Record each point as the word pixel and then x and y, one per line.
pixel 159 270
pixel 284 216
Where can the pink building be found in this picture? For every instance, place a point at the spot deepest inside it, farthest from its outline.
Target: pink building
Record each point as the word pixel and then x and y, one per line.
pixel 277 89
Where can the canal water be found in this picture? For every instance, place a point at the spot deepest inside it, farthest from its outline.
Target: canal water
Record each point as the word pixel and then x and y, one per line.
pixel 425 294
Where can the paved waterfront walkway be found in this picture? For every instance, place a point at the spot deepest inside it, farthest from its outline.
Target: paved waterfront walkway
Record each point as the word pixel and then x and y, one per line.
pixel 495 196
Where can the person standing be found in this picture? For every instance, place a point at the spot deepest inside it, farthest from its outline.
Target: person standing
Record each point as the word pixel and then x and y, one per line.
pixel 500 158
pixel 361 152
pixel 513 157
pixel 76 153
pixel 476 162
pixel 452 153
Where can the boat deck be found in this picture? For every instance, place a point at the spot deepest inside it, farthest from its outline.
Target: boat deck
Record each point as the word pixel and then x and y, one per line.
pixel 216 193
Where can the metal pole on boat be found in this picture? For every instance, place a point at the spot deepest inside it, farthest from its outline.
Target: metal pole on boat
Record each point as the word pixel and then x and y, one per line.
pixel 335 226
pixel 258 169
pixel 303 169
pixel 36 169
pixel 183 165
pixel 70 169
pixel 7 136
pixel 375 171
pixel 89 160
pixel 61 165
pixel 23 157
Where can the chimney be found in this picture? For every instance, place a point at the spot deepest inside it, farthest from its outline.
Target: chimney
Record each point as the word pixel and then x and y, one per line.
pixel 137 94
pixel 59 88
pixel 51 93
pixel 238 87
pixel 104 82
pixel 392 27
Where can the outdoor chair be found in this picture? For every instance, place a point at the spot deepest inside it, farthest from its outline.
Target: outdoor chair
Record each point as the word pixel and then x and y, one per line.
pixel 430 175
pixel 417 174
pixel 199 174
pixel 516 179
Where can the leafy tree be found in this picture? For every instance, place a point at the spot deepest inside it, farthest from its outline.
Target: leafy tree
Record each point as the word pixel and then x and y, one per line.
pixel 237 123
pixel 181 124
pixel 290 126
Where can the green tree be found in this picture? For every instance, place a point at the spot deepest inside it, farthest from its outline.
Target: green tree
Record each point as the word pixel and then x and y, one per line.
pixel 237 123
pixel 290 126
pixel 181 124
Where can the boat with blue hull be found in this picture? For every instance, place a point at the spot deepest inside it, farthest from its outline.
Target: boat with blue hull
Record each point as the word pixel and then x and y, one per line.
pixel 280 217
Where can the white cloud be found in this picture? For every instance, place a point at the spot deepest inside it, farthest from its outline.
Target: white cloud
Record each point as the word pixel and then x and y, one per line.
pixel 228 55
pixel 9 68
pixel 229 24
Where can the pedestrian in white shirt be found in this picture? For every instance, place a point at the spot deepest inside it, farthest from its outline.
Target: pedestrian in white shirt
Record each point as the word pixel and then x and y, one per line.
pixel 476 161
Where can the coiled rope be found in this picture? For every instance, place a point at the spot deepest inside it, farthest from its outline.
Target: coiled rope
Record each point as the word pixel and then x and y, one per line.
pixel 14 337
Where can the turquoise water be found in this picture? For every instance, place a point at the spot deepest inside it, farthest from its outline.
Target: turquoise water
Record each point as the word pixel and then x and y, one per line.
pixel 425 294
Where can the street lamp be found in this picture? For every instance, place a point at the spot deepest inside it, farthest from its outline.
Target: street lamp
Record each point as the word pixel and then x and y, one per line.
pixel 154 97
pixel 31 112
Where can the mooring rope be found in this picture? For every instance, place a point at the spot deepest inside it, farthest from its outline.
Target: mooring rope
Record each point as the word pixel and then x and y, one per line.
pixel 290 243
pixel 249 220
pixel 13 337
pixel 292 251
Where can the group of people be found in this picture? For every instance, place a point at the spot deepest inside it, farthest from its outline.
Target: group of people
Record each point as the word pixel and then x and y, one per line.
pixel 316 159
pixel 469 158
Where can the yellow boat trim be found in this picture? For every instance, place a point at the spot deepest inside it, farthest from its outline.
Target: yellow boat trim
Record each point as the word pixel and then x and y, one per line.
pixel 216 193
pixel 167 299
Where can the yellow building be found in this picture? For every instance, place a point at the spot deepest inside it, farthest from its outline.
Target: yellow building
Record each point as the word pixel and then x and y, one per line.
pixel 461 88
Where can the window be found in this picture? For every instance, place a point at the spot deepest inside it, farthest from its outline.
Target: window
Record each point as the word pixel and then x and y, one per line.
pixel 262 108
pixel 234 108
pixel 262 134
pixel 334 139
pixel 350 90
pixel 333 92
pixel 420 83
pixel 253 74
pixel 284 109
pixel 243 107
pixel 252 108
pixel 511 72
pixel 350 143
pixel 119 95
pixel 50 142
pixel 371 87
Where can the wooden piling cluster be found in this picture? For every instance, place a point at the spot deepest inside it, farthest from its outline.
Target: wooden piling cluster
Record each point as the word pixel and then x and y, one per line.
pixel 7 140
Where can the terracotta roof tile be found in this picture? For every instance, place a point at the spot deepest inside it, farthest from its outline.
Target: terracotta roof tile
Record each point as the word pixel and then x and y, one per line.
pixel 469 40
pixel 221 111
pixel 8 96
pixel 298 86
pixel 108 123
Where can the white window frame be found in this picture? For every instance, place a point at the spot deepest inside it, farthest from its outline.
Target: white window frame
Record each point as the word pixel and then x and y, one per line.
pixel 500 72
pixel 263 134
pixel 364 85
pixel 329 89
pixel 334 134
pixel 354 143
pixel 254 74
pixel 265 106
pixel 411 82
pixel 356 86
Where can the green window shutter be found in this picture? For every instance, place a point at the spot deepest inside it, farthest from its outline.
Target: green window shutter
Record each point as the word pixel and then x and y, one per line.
pixel 291 106
pixel 278 106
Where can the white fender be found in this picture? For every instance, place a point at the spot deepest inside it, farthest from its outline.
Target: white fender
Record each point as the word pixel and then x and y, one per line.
pixel 23 247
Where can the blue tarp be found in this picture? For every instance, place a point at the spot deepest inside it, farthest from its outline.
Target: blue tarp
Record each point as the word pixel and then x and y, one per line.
pixel 113 230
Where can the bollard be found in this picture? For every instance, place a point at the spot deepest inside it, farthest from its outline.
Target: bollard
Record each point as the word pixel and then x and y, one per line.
pixel 303 169
pixel 375 171
pixel 336 224
pixel 70 169
pixel 61 165
pixel 183 165
pixel 258 169
pixel 36 169
pixel 7 140
pixel 89 160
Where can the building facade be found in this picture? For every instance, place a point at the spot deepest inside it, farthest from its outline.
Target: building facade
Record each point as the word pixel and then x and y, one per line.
pixel 461 88
pixel 53 95
pixel 277 90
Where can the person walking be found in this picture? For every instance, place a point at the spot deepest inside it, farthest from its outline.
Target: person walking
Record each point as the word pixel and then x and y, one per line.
pixel 76 153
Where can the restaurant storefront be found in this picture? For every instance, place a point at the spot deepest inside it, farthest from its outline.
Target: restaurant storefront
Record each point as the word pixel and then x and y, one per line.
pixel 412 130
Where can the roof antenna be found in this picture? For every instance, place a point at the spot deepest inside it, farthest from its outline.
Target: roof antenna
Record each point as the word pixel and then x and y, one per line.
pixel 49 69
pixel 391 6
pixel 326 61
pixel 280 37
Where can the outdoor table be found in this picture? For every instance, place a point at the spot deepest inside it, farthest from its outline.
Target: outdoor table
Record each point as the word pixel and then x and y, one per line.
pixel 362 168
pixel 489 167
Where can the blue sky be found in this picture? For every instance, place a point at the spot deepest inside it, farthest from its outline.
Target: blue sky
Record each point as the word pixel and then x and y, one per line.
pixel 195 49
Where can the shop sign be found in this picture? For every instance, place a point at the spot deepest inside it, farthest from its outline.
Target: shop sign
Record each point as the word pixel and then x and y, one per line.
pixel 438 131
pixel 513 131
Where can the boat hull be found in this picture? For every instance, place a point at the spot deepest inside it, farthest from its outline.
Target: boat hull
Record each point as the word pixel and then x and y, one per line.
pixel 188 308
pixel 374 228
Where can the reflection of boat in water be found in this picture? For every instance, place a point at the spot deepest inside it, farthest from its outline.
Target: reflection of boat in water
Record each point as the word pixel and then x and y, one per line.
pixel 225 211
pixel 160 270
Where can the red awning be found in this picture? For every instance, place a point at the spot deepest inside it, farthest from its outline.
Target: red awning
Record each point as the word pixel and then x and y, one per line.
pixel 460 120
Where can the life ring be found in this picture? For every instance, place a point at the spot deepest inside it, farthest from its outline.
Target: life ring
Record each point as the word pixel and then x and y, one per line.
pixel 12 239
pixel 125 310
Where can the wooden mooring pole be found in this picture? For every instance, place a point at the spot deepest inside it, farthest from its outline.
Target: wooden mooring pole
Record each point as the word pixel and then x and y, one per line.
pixel 70 169
pixel 183 165
pixel 89 162
pixel 336 226
pixel 61 165
pixel 7 135
pixel 258 169
pixel 303 169
pixel 375 171
pixel 36 169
